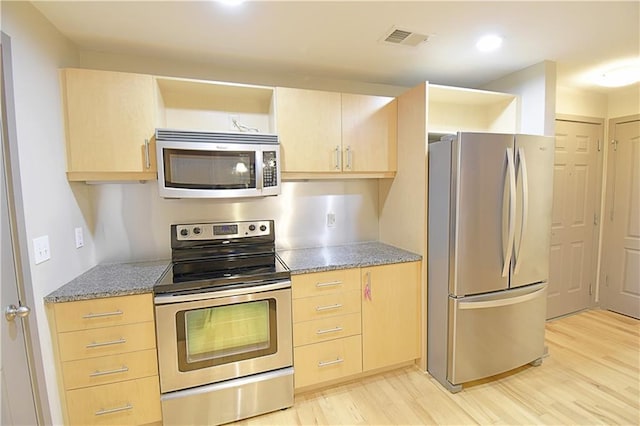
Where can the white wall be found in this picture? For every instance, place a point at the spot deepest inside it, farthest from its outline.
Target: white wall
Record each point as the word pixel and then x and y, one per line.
pixel 581 102
pixel 536 89
pixel 624 101
pixel 52 206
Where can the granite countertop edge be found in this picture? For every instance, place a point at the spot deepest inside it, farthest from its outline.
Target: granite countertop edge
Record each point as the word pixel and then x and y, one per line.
pixel 110 280
pixel 131 278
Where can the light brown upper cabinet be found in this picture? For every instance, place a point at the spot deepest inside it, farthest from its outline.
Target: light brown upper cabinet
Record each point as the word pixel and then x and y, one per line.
pixel 110 122
pixel 329 134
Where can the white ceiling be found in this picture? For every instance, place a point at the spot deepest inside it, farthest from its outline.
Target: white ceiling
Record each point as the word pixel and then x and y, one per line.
pixel 341 39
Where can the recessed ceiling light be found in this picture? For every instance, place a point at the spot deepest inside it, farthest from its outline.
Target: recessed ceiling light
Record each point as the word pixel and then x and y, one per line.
pixel 231 2
pixel 620 75
pixel 489 43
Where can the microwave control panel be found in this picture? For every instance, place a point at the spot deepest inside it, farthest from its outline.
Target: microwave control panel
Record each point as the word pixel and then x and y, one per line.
pixel 269 169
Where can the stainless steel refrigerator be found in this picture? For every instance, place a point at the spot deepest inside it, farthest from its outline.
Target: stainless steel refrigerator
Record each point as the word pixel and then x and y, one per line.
pixel 489 230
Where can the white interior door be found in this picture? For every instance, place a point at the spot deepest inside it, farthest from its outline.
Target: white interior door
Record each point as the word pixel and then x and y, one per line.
pixel 574 222
pixel 18 405
pixel 621 290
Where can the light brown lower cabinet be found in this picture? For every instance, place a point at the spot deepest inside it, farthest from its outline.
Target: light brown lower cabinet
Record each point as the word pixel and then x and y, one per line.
pixel 106 360
pixel 390 315
pixel 351 321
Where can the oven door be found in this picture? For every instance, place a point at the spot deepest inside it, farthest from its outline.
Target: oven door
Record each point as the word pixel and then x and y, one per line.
pixel 210 337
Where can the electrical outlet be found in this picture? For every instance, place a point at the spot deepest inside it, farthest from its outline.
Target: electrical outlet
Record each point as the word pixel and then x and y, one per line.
pixel 79 238
pixel 41 249
pixel 331 220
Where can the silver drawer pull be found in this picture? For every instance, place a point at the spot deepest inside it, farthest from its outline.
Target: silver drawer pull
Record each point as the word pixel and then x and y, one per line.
pixel 329 330
pixel 113 342
pixel 114 410
pixel 332 362
pixel 97 373
pixel 326 308
pixel 104 314
pixel 329 284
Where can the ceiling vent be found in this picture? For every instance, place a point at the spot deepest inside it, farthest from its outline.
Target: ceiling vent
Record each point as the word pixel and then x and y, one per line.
pixel 404 37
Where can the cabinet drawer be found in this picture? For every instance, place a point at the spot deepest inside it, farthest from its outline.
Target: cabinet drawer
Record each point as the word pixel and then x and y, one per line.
pixel 133 402
pixel 106 312
pixel 328 282
pixel 106 341
pixel 311 308
pixel 307 332
pixel 327 361
pixel 109 369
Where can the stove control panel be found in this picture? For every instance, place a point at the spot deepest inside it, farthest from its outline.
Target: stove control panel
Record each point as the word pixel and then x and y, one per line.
pixel 222 230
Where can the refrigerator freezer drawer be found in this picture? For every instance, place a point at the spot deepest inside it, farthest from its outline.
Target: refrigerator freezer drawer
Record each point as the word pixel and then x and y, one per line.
pixel 494 333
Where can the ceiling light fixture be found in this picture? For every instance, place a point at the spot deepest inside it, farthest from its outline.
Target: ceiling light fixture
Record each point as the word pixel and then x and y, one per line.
pixel 489 43
pixel 619 75
pixel 231 2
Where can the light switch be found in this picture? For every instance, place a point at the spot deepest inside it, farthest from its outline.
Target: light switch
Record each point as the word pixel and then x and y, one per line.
pixel 79 238
pixel 41 249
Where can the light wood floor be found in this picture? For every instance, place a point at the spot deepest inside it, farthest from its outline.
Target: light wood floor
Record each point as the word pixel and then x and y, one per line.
pixel 590 377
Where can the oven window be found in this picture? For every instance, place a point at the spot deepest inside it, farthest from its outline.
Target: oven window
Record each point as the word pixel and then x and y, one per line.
pixel 195 169
pixel 223 334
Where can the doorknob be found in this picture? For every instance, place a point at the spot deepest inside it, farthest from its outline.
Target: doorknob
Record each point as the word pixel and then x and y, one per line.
pixel 14 311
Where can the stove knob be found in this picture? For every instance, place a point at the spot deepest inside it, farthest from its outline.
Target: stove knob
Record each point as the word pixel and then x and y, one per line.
pixel 197 230
pixel 263 228
pixel 252 227
pixel 184 232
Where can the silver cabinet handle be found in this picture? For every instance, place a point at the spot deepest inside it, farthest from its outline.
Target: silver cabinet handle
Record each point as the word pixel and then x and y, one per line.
pixel 329 284
pixel 114 410
pixel 337 154
pixel 327 307
pixel 329 330
pixel 103 314
pixel 332 362
pixel 147 157
pixel 14 311
pixel 99 373
pixel 113 342
pixel 348 150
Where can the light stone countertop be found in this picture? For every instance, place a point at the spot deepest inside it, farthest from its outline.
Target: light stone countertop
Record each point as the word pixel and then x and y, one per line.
pixel 121 279
pixel 109 280
pixel 303 261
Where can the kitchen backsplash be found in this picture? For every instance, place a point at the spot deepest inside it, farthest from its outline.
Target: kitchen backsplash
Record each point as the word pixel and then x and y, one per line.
pixel 132 221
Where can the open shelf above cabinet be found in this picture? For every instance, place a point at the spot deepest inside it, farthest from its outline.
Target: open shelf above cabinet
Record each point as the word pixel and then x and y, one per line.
pixel 453 109
pixel 213 106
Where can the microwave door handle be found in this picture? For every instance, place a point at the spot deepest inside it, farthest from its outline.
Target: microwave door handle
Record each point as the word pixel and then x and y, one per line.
pixel 259 170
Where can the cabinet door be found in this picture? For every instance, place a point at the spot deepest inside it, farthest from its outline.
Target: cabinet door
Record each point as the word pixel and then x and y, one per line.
pixel 110 120
pixel 390 314
pixel 369 133
pixel 308 123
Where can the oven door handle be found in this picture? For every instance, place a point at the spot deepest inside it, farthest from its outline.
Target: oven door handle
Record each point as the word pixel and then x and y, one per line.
pixel 162 299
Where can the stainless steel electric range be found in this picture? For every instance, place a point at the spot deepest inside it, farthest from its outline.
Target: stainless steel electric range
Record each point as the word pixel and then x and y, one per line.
pixel 223 324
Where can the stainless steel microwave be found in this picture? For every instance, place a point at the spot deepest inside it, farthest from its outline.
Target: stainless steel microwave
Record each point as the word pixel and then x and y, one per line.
pixel 217 164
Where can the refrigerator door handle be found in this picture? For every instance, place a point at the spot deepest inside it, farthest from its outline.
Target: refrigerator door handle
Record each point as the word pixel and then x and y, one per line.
pixel 512 212
pixel 525 206
pixel 500 302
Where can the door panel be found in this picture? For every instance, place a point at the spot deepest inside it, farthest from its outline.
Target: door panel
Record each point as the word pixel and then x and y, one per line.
pixel 534 159
pixel 480 164
pixel 18 406
pixel 621 292
pixel 573 230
